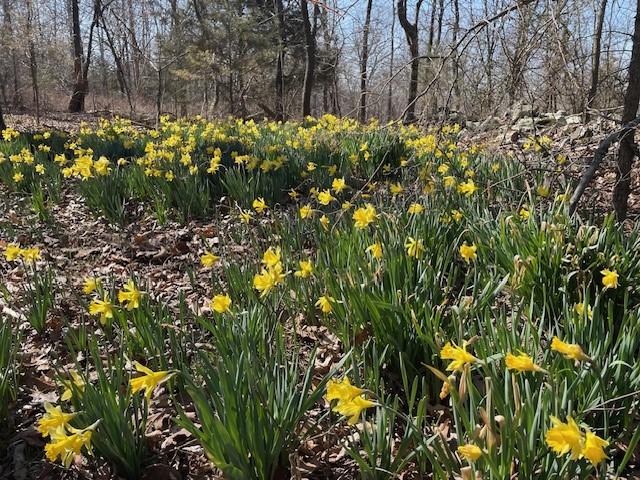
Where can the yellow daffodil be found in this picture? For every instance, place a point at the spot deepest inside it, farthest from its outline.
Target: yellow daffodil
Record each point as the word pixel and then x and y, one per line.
pixel 324 303
pixel 90 285
pixel 353 408
pixel 415 248
pixel 364 216
pixel 130 295
pixel 569 350
pixel 53 419
pixel 259 205
pixel 103 307
pixel 563 438
pixel 521 363
pixel 76 383
pixel 306 269
pixel 268 278
pixel 459 356
pixel 271 257
pixel 580 309
pixel 467 188
pixel 220 303
pixel 415 209
pixel 468 252
pixel 325 197
pixel 324 222
pixel 396 188
pixel 245 216
pixel 12 252
pixel 30 255
pixel 609 278
pixel 375 250
pixel 593 449
pixel 338 184
pixel 342 391
pixel 65 447
pixel 209 259
pixel 149 381
pixel 306 211
pixel 470 452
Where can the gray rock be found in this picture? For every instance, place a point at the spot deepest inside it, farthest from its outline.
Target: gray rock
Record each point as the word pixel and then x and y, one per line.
pixel 522 110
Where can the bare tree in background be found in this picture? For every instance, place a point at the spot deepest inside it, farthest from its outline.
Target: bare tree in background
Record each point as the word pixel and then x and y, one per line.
pixel 362 112
pixel 80 62
pixel 310 31
pixel 628 149
pixel 411 32
pixel 595 57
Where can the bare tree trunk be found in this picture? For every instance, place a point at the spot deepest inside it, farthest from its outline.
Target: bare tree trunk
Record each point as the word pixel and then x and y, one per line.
pixel 627 149
pixel 280 113
pixel 362 113
pixel 80 63
pixel 310 54
pixel 595 65
pixel 3 125
pixel 391 65
pixel 8 25
pixel 411 32
pixel 33 60
pixel 456 58
pixel 122 79
pixel 76 104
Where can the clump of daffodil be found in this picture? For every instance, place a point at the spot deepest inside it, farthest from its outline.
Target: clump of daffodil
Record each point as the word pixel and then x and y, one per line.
pixel 351 401
pixel 272 273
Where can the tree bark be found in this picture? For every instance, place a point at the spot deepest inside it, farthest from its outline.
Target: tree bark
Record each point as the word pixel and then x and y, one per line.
pixel 626 150
pixel 391 64
pixel 80 63
pixel 310 54
pixel 595 55
pixel 279 110
pixel 33 61
pixel 411 33
pixel 76 104
pixel 362 113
